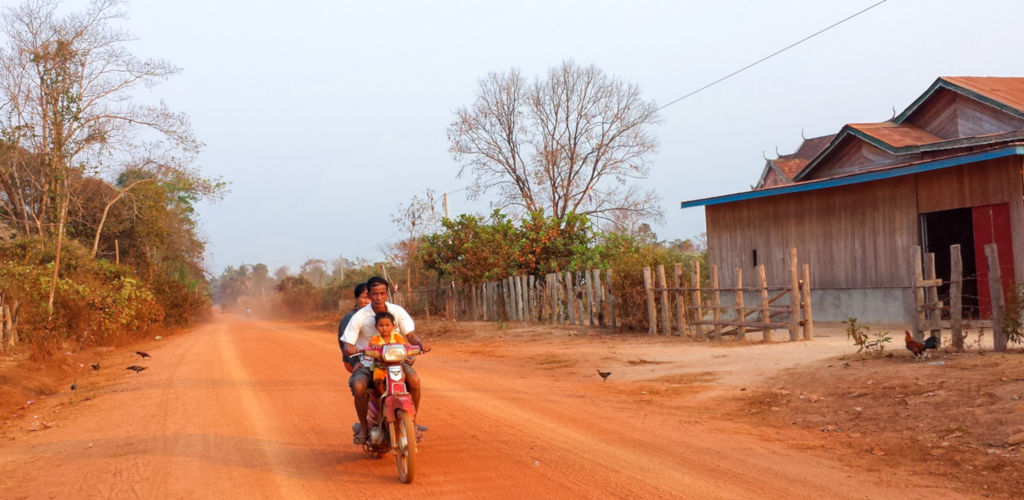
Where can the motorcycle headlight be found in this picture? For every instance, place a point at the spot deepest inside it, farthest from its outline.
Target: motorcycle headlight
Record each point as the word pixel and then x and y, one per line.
pixel 394 352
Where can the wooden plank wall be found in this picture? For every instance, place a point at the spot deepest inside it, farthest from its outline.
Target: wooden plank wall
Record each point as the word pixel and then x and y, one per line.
pixel 852 237
pixel 857 236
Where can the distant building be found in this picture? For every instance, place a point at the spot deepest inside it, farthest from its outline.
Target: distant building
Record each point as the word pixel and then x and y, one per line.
pixel 947 170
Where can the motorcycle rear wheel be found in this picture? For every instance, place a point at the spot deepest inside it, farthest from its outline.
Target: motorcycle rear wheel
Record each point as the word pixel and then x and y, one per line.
pixel 405 453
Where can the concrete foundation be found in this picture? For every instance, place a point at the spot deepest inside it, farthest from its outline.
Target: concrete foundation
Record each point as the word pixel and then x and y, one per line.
pixel 868 305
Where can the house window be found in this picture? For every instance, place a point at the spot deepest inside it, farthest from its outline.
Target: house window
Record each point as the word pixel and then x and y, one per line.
pixel 755 257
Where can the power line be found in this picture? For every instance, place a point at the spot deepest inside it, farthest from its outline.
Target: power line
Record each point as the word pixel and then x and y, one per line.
pixel 773 54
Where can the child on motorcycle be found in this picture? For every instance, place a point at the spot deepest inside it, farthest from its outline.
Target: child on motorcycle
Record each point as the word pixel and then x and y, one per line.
pixel 385 323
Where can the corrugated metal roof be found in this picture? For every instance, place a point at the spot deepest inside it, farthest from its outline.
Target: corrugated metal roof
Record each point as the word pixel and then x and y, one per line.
pixel 887 172
pixel 1007 90
pixel 896 135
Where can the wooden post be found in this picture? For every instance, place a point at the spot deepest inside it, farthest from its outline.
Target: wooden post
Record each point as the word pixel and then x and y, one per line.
pixel 934 309
pixel 716 303
pixel 808 314
pixel 531 285
pixel 677 279
pixel 521 288
pixel 666 313
pixel 919 319
pixel 995 287
pixel 740 331
pixel 612 320
pixel 794 292
pixel 590 296
pixel 698 329
pixel 570 298
pixel 506 288
pixel 652 316
pixel 599 300
pixel 117 253
pixel 766 316
pixel 956 305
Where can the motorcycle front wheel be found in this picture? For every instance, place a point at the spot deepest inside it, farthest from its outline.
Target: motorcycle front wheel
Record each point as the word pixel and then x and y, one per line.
pixel 405 452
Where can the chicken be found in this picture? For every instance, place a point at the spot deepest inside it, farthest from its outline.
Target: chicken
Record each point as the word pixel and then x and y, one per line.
pixel 136 368
pixel 604 375
pixel 143 354
pixel 917 347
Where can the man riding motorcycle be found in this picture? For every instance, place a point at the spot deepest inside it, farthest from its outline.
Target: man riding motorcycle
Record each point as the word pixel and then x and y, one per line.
pixel 357 335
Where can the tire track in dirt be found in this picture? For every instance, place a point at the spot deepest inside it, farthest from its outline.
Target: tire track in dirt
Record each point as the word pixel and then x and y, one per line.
pixel 262 410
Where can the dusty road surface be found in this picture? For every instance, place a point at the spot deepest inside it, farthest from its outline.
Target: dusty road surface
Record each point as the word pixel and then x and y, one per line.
pixel 250 409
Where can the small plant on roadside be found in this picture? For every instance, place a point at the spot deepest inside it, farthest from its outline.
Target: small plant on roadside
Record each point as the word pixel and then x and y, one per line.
pixel 1013 318
pixel 876 346
pixel 858 333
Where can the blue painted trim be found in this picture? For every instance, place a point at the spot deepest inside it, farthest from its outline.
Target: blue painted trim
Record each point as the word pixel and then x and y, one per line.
pixel 857 179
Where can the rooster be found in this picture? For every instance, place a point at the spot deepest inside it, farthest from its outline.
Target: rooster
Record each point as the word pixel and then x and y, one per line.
pixel 919 348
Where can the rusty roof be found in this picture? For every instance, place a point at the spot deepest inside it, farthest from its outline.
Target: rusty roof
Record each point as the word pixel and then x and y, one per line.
pixel 898 136
pixel 1006 90
pixel 791 164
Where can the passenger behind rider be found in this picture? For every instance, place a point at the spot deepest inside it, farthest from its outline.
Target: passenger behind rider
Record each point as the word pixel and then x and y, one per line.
pixel 357 335
pixel 362 300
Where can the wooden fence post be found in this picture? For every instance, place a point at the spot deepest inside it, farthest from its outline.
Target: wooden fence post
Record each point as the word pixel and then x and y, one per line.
pixel 918 276
pixel 741 331
pixel 766 315
pixel 570 298
pixel 956 305
pixel 590 297
pixel 680 297
pixel 808 312
pixel 716 303
pixel 612 320
pixel 666 313
pixel 934 308
pixel 995 286
pixel 794 292
pixel 530 295
pixel 698 329
pixel 507 295
pixel 553 286
pixel 652 316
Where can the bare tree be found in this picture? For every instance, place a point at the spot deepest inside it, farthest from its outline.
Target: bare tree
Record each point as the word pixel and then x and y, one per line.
pixel 420 216
pixel 67 109
pixel 574 141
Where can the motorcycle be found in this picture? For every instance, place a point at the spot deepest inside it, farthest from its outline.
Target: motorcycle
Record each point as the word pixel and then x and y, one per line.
pixel 391 411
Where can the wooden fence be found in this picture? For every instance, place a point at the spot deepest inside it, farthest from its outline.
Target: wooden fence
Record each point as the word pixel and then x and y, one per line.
pixel 688 307
pixel 929 309
pixel 572 297
pixel 8 321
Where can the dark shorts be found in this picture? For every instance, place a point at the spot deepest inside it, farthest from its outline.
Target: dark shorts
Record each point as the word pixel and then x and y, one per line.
pixel 366 374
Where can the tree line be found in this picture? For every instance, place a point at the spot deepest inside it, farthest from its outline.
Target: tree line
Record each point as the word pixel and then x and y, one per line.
pixel 98 190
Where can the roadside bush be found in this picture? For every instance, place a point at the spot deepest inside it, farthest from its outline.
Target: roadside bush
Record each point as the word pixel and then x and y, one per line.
pixel 627 256
pixel 96 302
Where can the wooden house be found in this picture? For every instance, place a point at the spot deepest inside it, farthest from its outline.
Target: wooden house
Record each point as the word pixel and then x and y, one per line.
pixel 947 170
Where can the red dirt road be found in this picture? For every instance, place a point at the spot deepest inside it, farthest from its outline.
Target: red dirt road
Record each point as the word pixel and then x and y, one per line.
pixel 249 409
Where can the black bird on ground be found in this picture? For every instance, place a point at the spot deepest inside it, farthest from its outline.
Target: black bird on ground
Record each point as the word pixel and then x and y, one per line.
pixel 604 375
pixel 143 354
pixel 74 385
pixel 136 368
pixel 932 342
pixel 95 366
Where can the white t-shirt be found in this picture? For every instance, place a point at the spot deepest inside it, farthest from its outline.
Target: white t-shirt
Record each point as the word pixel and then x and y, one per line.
pixel 363 326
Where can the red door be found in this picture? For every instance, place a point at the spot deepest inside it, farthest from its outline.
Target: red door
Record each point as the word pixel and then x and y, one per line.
pixel 992 225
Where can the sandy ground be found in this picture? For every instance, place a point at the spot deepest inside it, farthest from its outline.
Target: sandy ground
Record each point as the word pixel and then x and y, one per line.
pixel 259 409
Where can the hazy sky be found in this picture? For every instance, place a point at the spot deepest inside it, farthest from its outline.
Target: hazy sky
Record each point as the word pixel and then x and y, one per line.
pixel 325 115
